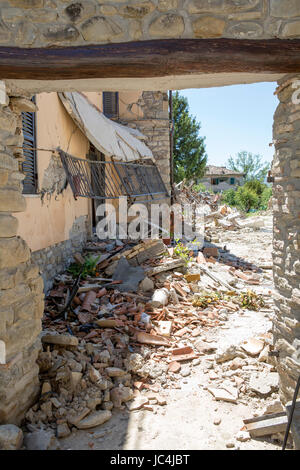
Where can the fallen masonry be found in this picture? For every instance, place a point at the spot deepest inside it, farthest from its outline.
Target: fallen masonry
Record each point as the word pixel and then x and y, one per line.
pixel 116 342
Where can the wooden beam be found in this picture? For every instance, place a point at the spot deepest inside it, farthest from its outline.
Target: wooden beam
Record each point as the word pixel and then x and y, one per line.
pixel 157 58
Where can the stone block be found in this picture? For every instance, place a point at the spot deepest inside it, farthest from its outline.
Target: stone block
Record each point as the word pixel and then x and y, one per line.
pixel 8 225
pixel 284 8
pixel 221 6
pixel 13 251
pixel 291 30
pixel 208 27
pixel 11 201
pixel 167 26
pixel 100 28
pixel 137 10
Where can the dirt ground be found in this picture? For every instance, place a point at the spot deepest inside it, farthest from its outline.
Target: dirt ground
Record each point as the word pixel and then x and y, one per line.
pixel 192 418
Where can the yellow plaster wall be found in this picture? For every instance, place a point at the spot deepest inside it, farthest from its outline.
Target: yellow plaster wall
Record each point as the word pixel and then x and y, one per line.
pixel 46 223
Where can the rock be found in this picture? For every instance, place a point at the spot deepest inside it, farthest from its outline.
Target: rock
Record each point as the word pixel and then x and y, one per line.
pixel 205 348
pixel 107 405
pixel 237 363
pixel 94 375
pixel 224 395
pixel 94 419
pixel 104 356
pixel 275 407
pixel 137 403
pixel 243 436
pixel 134 362
pixel 253 346
pixel 196 362
pixel 167 26
pixel 99 28
pixel 75 379
pixel 11 437
pixel 46 388
pixel 208 27
pixel 62 430
pixel 153 369
pixel 230 445
pixel 217 421
pixel 160 400
pixel 264 355
pixel 119 395
pixel 61 340
pixel 115 372
pixel 174 367
pixel 264 384
pixel 185 371
pixel 39 440
pixel 146 285
pixel 227 354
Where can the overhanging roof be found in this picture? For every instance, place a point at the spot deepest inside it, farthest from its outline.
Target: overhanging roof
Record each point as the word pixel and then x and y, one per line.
pixel 110 138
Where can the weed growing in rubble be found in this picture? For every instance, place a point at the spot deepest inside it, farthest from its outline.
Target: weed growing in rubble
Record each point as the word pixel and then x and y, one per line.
pixel 182 251
pixel 88 269
pixel 205 299
pixel 251 300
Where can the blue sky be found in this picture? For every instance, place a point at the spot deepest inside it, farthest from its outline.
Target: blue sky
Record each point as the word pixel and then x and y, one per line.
pixel 234 118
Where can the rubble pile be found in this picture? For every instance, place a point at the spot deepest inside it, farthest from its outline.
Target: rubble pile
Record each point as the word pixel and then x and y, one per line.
pixel 130 319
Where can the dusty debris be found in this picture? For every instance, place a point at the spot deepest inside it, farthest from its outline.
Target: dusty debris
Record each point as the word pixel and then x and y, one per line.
pixel 11 437
pixel 114 340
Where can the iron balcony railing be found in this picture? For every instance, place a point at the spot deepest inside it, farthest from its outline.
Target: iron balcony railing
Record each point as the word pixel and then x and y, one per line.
pixel 112 179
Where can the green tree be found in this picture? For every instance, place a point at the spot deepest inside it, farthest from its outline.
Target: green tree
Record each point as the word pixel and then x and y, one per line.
pixel 249 164
pixel 246 199
pixel 188 150
pixel 228 197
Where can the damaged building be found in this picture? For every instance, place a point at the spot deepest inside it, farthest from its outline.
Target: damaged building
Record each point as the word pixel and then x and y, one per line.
pixel 55 47
pixel 55 224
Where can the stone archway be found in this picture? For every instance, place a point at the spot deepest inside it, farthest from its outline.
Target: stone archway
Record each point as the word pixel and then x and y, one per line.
pixel 251 46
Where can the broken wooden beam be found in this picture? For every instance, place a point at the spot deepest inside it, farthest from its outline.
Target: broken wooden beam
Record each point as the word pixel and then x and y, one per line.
pixel 266 424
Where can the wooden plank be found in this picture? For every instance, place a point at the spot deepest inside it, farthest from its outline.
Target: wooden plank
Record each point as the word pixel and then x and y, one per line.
pixel 155 58
pixel 267 424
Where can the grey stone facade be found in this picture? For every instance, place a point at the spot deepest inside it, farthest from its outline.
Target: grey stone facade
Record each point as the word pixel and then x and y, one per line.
pixel 286 244
pixel 21 287
pixel 56 258
pixel 155 125
pixel 41 23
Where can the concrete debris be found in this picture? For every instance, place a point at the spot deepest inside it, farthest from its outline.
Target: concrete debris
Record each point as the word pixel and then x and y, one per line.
pixel 94 419
pixel 39 440
pixel 264 384
pixel 253 346
pixel 11 437
pixel 140 323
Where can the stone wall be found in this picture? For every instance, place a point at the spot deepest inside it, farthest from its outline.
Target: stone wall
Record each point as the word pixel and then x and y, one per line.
pixel 56 258
pixel 35 23
pixel 154 124
pixel 21 287
pixel 286 251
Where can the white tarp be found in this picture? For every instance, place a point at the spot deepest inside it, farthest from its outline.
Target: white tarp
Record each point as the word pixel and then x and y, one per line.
pixel 111 138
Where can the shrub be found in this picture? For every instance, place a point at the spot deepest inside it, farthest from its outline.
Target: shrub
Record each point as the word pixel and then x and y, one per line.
pixel 228 197
pixel 264 198
pixel 199 187
pixel 246 199
pixel 255 185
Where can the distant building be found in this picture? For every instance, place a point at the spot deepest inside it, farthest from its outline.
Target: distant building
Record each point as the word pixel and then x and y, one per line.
pixel 220 178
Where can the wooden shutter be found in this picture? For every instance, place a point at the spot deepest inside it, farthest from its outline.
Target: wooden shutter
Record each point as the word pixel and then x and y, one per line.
pixel 111 104
pixel 29 145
